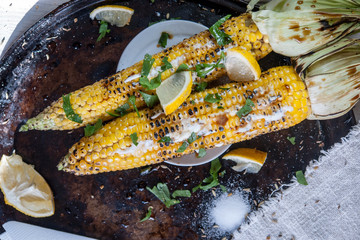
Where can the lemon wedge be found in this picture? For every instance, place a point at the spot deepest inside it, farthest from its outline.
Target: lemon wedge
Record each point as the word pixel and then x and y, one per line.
pixel 24 188
pixel 248 159
pixel 113 14
pixel 241 65
pixel 174 90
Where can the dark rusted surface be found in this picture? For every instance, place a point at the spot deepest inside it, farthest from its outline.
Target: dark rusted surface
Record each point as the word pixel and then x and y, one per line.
pixel 61 55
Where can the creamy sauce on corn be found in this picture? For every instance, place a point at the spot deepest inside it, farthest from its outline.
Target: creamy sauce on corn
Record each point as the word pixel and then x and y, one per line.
pixel 138 150
pixel 191 125
pixel 129 79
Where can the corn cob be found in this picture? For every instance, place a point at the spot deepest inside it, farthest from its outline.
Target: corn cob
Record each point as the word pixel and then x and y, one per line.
pixel 280 100
pixel 92 102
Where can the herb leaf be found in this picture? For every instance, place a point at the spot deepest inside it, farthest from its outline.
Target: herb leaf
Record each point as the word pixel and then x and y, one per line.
pixel 301 178
pixel 204 68
pixel 221 37
pixel 161 191
pixel 150 100
pixel 246 109
pixel 212 98
pixel 192 138
pixel 202 153
pixel 200 86
pixel 183 147
pixel 167 65
pixel 91 129
pixel 213 179
pixel 132 100
pixel 69 111
pixel 163 39
pixel 292 140
pixel 181 193
pixel 150 84
pixel 164 139
pixel 147 64
pixel 103 30
pixel 224 88
pixel 148 214
pixel 183 67
pixel 134 138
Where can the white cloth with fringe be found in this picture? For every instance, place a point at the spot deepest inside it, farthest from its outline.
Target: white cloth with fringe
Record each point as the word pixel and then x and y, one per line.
pixel 327 208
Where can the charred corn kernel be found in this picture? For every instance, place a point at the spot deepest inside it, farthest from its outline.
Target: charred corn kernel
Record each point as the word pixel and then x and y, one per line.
pixel 275 109
pixel 90 102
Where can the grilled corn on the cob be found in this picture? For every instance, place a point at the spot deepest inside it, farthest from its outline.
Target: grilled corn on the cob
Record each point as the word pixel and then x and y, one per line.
pixel 92 102
pixel 280 100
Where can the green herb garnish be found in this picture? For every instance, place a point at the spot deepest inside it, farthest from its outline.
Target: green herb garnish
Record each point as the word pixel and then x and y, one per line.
pixel 150 84
pixel 132 100
pixel 166 64
pixel 149 99
pixel 201 86
pixel 223 188
pixel 220 107
pixel 292 140
pixel 103 30
pixel 204 68
pixel 221 37
pixel 163 39
pixel 181 193
pixel 183 67
pixel 212 98
pixel 246 109
pixel 91 129
pixel 301 178
pixel 213 179
pixel 148 214
pixel 201 153
pixel 161 191
pixel 164 140
pixel 134 138
pixel 192 138
pixel 147 64
pixel 192 102
pixel 69 111
pixel 120 111
pixel 183 147
pixel 224 88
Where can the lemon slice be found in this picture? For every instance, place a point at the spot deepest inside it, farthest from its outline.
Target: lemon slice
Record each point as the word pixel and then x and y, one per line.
pixel 113 14
pixel 248 159
pixel 241 65
pixel 24 188
pixel 174 90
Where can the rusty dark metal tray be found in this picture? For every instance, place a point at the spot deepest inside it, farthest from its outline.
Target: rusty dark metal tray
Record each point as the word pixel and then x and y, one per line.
pixel 58 55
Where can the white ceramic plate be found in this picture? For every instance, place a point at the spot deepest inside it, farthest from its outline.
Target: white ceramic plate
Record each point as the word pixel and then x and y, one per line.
pixel 146 42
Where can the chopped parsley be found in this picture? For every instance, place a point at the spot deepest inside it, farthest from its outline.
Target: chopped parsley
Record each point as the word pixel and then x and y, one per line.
pixel 163 39
pixel 149 99
pixel 183 147
pixel 183 67
pixel 192 138
pixel 246 109
pixel 301 178
pixel 224 88
pixel 148 214
pixel 161 191
pixel 204 68
pixel 166 64
pixel 201 153
pixel 292 140
pixel 181 193
pixel 165 139
pixel 103 30
pixel 212 98
pixel 201 86
pixel 221 37
pixel 69 111
pixel 132 100
pixel 134 138
pixel 144 81
pixel 120 111
pixel 213 179
pixel 92 129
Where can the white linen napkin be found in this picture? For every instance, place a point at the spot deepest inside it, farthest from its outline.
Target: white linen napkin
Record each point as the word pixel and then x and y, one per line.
pixel 327 208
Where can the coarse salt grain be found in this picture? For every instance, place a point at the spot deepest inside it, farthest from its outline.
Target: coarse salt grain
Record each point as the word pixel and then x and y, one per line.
pixel 229 211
